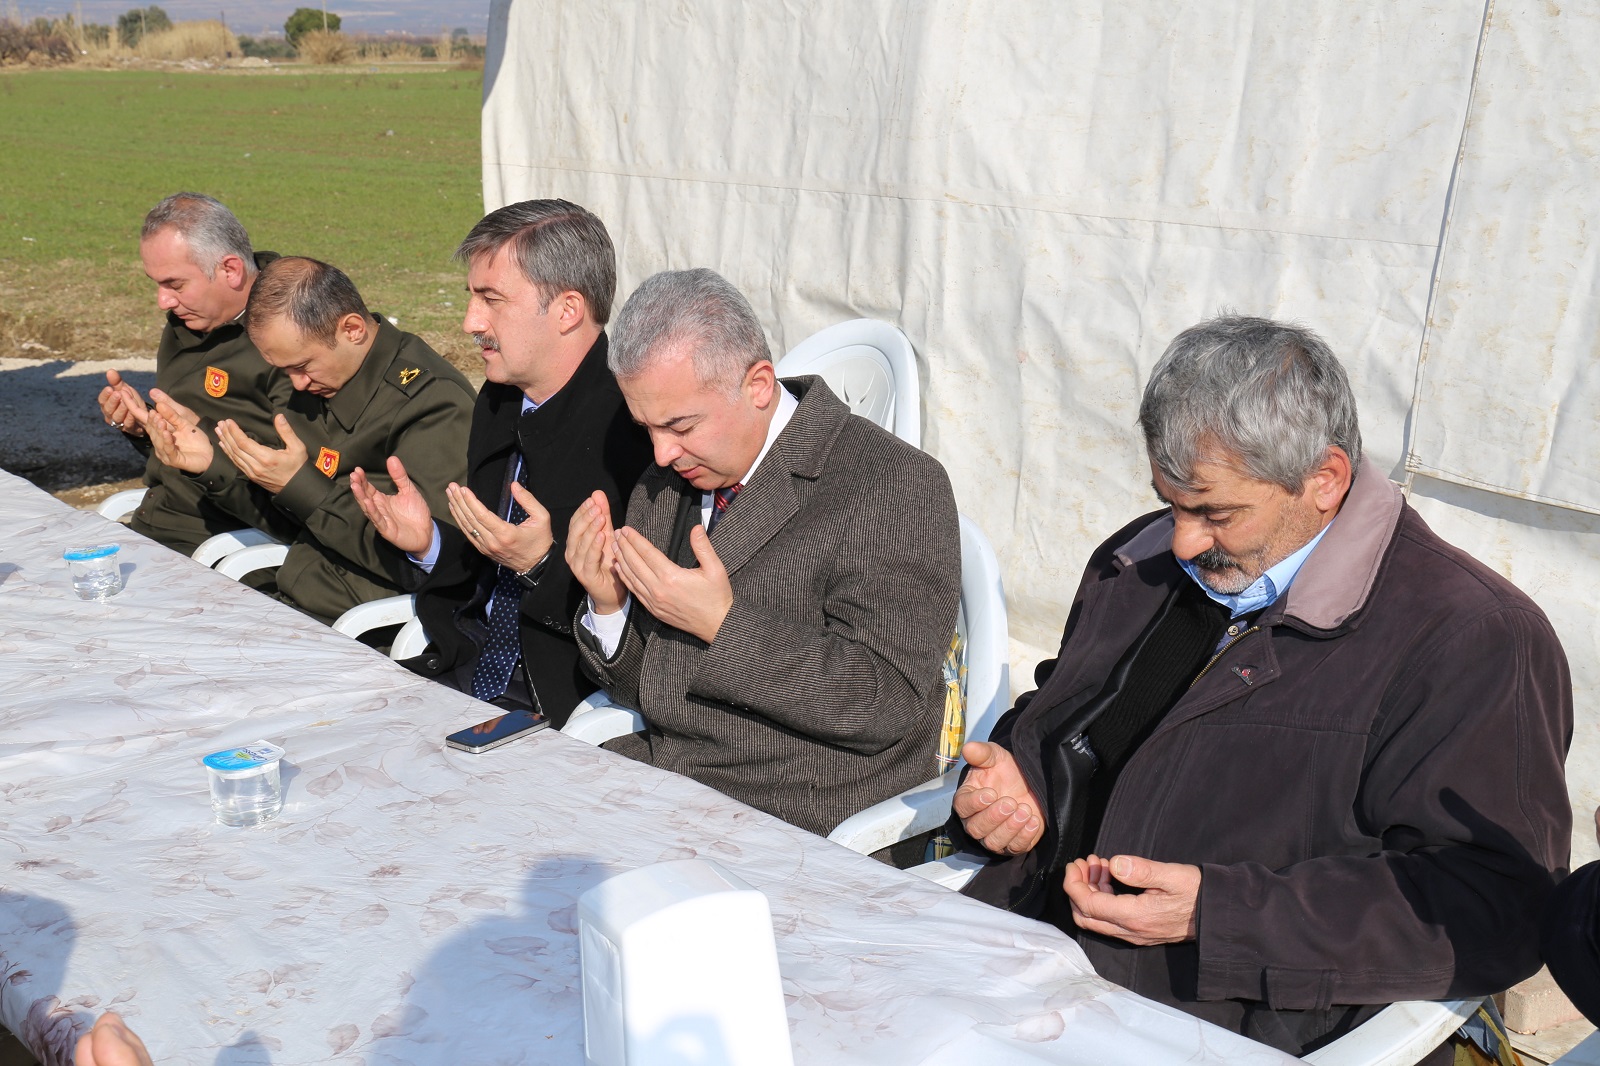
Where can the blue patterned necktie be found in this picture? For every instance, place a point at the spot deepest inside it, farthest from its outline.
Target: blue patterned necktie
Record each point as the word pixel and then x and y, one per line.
pixel 719 504
pixel 502 647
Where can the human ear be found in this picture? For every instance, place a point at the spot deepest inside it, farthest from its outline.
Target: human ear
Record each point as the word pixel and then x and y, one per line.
pixel 570 309
pixel 232 270
pixel 1331 480
pixel 353 328
pixel 760 381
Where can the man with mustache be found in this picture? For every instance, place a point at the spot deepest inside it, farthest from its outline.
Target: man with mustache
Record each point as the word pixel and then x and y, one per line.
pixel 1297 757
pixel 549 428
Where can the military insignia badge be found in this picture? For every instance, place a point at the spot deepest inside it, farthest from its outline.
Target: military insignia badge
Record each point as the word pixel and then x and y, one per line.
pixel 216 382
pixel 409 375
pixel 328 462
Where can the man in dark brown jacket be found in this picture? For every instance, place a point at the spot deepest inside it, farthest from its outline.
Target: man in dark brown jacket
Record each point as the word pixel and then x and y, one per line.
pixel 1297 757
pixel 779 604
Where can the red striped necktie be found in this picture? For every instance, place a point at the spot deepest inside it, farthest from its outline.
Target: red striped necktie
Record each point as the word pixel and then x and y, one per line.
pixel 719 503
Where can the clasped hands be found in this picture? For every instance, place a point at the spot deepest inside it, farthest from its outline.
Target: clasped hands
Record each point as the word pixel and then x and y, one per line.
pixel 403 519
pixel 178 441
pixel 999 810
pixel 612 564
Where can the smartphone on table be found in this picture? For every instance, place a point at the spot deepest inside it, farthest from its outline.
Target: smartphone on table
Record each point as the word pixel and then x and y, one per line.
pixel 497 731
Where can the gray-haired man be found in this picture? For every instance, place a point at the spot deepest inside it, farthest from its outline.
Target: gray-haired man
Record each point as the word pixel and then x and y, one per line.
pixel 781 599
pixel 1297 757
pixel 203 266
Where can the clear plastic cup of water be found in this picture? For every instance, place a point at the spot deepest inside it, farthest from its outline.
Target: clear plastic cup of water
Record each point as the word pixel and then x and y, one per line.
pixel 246 788
pixel 96 573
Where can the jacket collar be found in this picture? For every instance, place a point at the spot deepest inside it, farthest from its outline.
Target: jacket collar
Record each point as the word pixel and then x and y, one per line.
pixel 347 404
pixel 1337 578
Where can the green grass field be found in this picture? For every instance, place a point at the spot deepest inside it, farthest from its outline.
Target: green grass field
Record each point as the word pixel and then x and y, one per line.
pixel 376 170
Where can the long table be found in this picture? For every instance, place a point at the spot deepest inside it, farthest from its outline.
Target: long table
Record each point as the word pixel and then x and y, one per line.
pixel 415 904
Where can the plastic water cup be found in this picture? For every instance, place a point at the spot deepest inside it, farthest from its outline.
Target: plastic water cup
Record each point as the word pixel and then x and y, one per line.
pixel 246 788
pixel 96 574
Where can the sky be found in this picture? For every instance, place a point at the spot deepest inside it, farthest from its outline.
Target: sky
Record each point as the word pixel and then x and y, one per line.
pixel 360 16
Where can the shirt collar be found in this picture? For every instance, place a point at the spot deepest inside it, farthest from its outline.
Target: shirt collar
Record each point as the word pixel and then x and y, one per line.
pixel 787 405
pixel 1268 587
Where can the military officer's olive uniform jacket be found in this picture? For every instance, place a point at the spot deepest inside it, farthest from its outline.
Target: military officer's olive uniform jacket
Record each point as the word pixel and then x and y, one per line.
pixel 217 375
pixel 405 401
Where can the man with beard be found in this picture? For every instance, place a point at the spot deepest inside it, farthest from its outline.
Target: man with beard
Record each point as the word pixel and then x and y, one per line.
pixel 549 428
pixel 1297 757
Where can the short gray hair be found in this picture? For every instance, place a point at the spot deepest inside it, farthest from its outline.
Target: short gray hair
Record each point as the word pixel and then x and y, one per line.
pixel 695 306
pixel 559 246
pixel 313 295
pixel 212 231
pixel 1270 395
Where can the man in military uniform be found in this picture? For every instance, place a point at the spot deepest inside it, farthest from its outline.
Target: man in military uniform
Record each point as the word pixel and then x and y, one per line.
pixel 200 258
pixel 363 391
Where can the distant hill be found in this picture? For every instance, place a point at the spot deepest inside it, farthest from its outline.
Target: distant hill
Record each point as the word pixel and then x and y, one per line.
pixel 360 16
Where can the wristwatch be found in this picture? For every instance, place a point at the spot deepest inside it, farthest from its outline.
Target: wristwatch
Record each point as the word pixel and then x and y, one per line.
pixel 529 578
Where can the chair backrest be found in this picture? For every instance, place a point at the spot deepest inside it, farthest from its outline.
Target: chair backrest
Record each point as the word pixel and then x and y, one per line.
pixel 412 640
pixel 982 625
pixel 119 505
pixel 871 366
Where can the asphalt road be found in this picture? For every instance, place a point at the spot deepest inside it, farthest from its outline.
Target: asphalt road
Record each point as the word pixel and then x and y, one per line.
pixel 51 431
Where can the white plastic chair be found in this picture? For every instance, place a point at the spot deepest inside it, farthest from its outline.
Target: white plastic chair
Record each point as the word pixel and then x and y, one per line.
pixel 411 641
pixel 871 366
pixel 255 557
pixel 597 719
pixel 375 614
pixel 214 549
pixel 1399 1035
pixel 982 622
pixel 119 505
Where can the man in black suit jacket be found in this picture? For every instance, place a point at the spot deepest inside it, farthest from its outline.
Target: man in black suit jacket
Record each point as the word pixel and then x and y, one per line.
pixel 549 428
pixel 779 605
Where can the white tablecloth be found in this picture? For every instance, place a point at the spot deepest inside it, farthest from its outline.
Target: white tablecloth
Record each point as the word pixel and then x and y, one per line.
pixel 414 904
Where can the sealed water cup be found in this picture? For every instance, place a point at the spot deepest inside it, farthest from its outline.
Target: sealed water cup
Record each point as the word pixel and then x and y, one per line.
pixel 245 785
pixel 96 574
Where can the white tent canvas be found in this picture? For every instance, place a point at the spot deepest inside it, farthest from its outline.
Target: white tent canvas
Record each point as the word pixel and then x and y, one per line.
pixel 1042 194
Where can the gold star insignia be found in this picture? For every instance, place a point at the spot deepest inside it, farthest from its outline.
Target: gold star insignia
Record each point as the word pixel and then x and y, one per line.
pixel 409 375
